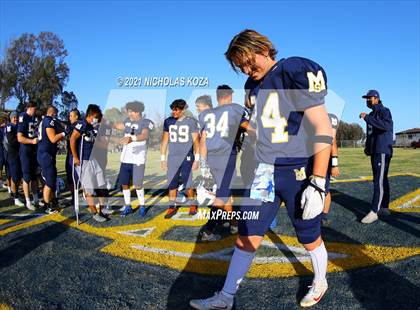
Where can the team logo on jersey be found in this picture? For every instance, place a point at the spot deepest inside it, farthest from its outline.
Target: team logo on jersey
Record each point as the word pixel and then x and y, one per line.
pixel 78 126
pixel 334 122
pixel 316 83
pixel 300 174
pixel 151 126
pixel 20 119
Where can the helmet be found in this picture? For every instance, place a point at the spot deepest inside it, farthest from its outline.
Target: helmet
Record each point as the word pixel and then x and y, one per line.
pixel 206 192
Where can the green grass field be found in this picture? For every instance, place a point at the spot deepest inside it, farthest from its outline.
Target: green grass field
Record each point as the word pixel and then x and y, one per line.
pixel 48 262
pixel 353 163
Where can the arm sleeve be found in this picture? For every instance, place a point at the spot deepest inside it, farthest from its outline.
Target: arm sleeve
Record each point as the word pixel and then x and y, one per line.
pixel 333 120
pixel 381 120
pixel 80 127
pixel 194 125
pixel 166 125
pixel 306 80
pixel 21 124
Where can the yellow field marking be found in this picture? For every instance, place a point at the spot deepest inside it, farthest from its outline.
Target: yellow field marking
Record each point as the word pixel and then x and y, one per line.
pixel 213 258
pixel 2 222
pixel 407 203
pixel 5 307
pixel 370 178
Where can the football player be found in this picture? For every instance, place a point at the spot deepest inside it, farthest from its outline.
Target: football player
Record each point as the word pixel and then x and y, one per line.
pixel 74 116
pixel 88 169
pixel 133 157
pixel 51 132
pixel 332 169
pixel 12 146
pixel 289 97
pixel 218 146
pixel 203 103
pixel 2 152
pixel 27 137
pixel 180 136
pixel 100 152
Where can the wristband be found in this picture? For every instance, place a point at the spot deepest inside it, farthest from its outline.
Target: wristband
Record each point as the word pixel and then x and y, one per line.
pixel 133 138
pixel 334 161
pixel 162 157
pixel 196 157
pixel 63 133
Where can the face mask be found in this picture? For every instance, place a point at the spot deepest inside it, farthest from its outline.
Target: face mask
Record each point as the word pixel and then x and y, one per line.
pixel 95 121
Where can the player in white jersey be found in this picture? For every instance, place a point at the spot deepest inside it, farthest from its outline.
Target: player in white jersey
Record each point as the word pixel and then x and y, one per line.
pixel 133 156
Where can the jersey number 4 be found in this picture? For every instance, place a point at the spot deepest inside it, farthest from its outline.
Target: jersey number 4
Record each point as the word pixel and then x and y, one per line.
pixel 179 133
pixel 222 125
pixel 271 118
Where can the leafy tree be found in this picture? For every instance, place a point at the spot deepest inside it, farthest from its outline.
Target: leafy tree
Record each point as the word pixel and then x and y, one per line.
pixel 6 83
pixel 114 115
pixel 348 131
pixel 35 69
pixel 68 102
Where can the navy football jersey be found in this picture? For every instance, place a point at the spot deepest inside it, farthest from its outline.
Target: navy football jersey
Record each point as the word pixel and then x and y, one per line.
pixel 280 98
pixel 69 130
pixel 222 125
pixel 2 133
pixel 334 120
pixel 136 127
pixel 89 134
pixel 10 141
pixel 180 135
pixel 28 127
pixel 44 144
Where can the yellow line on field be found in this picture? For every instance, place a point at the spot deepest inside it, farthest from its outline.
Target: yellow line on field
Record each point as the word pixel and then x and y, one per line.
pixel 370 178
pixel 407 203
pixel 5 307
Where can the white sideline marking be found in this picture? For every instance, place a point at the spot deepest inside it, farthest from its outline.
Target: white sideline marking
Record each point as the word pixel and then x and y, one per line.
pixel 147 232
pixel 225 254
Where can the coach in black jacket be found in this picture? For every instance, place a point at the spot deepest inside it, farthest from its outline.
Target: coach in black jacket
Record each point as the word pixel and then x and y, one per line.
pixel 379 147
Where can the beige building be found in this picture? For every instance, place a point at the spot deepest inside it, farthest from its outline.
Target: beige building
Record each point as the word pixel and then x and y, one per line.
pixel 404 138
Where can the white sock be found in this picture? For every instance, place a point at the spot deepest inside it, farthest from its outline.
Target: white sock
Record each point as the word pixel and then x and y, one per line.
pixel 9 190
pixel 35 197
pixel 28 200
pixel 238 268
pixel 127 197
pixel 140 196
pixel 319 259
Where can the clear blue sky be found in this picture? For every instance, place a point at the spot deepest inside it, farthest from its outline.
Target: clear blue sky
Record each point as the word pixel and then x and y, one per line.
pixel 361 44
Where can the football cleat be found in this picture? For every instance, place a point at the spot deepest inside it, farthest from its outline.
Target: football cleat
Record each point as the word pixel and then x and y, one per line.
pixel 99 218
pixel 209 237
pixel 126 211
pixel 30 207
pixel 193 210
pixel 142 211
pixel 50 210
pixel 315 293
pixel 19 203
pixel 370 218
pixel 107 210
pixel 171 212
pixel 218 301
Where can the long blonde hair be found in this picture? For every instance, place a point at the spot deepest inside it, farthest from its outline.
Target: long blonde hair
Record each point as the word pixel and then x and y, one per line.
pixel 244 46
